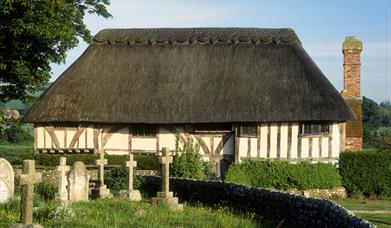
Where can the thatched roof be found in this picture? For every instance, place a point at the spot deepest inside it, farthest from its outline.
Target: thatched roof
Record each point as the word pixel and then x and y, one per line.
pixel 191 75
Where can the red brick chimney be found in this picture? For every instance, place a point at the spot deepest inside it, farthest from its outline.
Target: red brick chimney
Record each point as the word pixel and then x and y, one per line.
pixel 351 48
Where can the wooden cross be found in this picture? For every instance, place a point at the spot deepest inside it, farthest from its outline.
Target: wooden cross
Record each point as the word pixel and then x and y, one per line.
pixel 27 179
pixel 62 180
pixel 165 160
pixel 101 163
pixel 130 164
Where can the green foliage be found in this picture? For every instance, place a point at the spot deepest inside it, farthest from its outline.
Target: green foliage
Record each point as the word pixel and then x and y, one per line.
pixel 188 163
pixel 36 33
pixel 16 155
pixel 376 124
pixel 12 131
pixel 117 179
pixel 47 191
pixel 366 172
pixel 284 175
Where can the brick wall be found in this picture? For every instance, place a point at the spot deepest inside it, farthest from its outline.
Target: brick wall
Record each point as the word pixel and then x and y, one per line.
pixel 351 48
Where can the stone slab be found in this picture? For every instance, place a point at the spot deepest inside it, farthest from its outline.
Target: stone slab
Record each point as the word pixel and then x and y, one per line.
pixel 135 195
pixel 7 186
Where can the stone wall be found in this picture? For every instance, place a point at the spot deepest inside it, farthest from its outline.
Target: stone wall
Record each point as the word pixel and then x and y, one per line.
pixel 335 193
pixel 296 211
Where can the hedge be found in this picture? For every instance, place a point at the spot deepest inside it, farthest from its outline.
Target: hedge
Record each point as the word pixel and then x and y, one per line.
pixel 366 172
pixel 293 210
pixel 284 175
pixel 16 154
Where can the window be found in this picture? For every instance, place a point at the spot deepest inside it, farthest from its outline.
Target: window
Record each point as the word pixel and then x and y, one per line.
pixel 144 131
pixel 248 131
pixel 315 129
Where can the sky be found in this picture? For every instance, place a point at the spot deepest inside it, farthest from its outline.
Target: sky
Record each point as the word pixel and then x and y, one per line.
pixel 321 26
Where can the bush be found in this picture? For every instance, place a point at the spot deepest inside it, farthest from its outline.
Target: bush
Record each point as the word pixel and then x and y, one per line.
pixel 366 172
pixel 117 179
pixel 284 175
pixel 188 163
pixel 144 162
pixel 15 154
pixel 47 191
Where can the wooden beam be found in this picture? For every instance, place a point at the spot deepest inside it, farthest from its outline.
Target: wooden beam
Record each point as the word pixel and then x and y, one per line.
pixel 76 137
pixel 53 136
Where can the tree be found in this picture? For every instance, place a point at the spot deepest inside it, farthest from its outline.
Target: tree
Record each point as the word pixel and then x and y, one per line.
pixel 34 34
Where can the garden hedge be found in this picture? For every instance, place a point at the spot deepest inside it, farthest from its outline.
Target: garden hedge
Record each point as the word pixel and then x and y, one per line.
pixel 16 155
pixel 366 172
pixel 293 210
pixel 284 175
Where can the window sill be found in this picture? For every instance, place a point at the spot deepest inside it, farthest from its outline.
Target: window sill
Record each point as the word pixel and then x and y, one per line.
pixel 315 136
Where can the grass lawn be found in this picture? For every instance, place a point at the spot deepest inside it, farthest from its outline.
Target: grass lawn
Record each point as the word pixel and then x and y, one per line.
pixel 379 219
pixel 15 153
pixel 120 212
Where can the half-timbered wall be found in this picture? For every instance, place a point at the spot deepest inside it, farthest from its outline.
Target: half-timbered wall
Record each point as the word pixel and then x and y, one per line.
pixel 273 140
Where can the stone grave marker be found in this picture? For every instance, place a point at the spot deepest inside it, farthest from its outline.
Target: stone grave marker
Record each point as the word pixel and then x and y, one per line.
pixel 165 197
pixel 62 169
pixel 78 180
pixel 27 179
pixel 134 195
pixel 6 181
pixel 104 192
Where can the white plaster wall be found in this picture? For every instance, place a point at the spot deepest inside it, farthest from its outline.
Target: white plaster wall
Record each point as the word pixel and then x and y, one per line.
pixel 39 137
pixel 139 143
pixel 315 147
pixel 254 147
pixel 273 140
pixel 295 134
pixel 166 139
pixel 242 147
pixel 335 141
pixel 119 140
pixel 70 134
pixel 304 147
pixel 325 147
pixel 263 151
pixel 284 140
pixel 48 140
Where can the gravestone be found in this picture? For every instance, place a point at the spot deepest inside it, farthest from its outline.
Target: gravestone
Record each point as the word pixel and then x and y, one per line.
pixel 78 180
pixel 27 179
pixel 6 181
pixel 134 195
pixel 165 197
pixel 104 192
pixel 62 169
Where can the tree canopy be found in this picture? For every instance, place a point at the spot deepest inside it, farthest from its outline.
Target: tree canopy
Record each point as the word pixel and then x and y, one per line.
pixel 34 34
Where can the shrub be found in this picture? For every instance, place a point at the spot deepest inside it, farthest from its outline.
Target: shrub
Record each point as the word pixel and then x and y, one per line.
pixel 144 162
pixel 284 175
pixel 117 179
pixel 15 154
pixel 188 163
pixel 366 172
pixel 47 191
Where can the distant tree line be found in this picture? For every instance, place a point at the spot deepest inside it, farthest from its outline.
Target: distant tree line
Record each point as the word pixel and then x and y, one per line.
pixel 376 124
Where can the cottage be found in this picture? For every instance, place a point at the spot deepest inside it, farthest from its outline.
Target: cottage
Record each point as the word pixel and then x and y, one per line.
pixel 238 92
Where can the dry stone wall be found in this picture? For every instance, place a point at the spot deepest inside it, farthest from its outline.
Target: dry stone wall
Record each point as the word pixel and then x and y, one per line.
pixel 295 210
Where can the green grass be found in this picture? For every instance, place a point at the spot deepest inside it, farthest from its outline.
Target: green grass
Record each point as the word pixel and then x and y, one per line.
pixel 15 153
pixel 120 212
pixel 379 219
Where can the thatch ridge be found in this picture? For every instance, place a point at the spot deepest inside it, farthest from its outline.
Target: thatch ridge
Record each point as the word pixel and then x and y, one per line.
pixel 198 83
pixel 195 35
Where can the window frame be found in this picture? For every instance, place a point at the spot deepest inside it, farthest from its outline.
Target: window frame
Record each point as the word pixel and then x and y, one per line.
pixel 144 131
pixel 246 134
pixel 320 134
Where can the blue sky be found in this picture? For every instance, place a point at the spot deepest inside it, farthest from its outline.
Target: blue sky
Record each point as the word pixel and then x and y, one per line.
pixel 321 26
